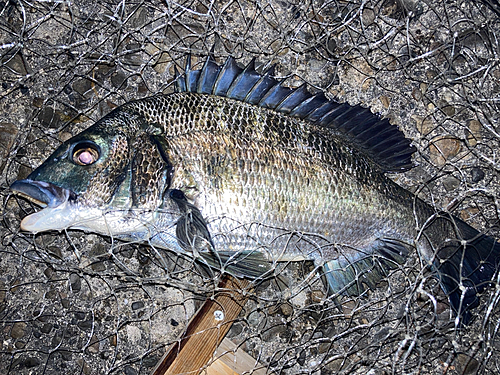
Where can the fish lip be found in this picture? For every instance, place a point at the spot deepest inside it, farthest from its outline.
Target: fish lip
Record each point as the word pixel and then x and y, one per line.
pixel 42 193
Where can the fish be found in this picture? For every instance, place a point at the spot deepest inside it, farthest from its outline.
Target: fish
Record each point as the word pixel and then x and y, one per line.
pixel 240 172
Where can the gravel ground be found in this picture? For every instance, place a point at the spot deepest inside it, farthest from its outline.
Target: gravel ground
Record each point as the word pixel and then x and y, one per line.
pixel 79 303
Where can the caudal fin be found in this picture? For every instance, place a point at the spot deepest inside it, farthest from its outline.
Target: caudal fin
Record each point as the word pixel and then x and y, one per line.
pixel 465 268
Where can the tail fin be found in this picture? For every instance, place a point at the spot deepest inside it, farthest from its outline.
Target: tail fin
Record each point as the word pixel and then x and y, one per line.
pixel 351 273
pixel 465 268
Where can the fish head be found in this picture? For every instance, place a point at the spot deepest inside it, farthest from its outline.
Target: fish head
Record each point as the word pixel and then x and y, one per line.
pixel 98 181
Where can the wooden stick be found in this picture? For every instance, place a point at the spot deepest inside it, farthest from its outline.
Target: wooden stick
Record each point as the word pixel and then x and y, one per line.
pixel 205 331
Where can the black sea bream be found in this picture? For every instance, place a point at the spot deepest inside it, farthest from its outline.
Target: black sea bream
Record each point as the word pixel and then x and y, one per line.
pixel 239 172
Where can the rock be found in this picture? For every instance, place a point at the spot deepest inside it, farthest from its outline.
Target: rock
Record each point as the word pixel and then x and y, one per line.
pixel 83 86
pixel 46 328
pixel 416 94
pixel 450 183
pixel 476 174
pixel 16 63
pixel 130 370
pixel 475 135
pixel 443 149
pixel 137 305
pixel 49 117
pixel 31 362
pixel 18 330
pixel 119 80
pixel 447 108
pixel 466 365
pixel 385 100
pixel 424 124
pixel 75 283
pixel 8 134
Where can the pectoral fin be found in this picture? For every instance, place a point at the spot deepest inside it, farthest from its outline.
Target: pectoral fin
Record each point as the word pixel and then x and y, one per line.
pixel 194 237
pixel 245 264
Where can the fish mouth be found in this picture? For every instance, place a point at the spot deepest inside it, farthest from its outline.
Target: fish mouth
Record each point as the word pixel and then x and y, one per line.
pixel 57 203
pixel 44 194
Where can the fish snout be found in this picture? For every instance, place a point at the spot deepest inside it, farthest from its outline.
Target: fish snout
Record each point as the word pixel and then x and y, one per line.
pixel 42 193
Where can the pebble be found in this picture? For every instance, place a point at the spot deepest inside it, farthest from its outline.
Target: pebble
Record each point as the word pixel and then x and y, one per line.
pixel 18 330
pixel 475 135
pixel 20 344
pixel 3 291
pixel 336 365
pixel 331 46
pixel 65 303
pixel 86 325
pixel 138 19
pixel 286 309
pixel 130 370
pixel 8 134
pixel 447 108
pixel 94 345
pixel 151 361
pixel 450 183
pixel 46 328
pixel 16 63
pixel 416 94
pixel 83 86
pixel 49 117
pixel 385 100
pixel 119 80
pixel 66 355
pixel 83 365
pixel 443 149
pixel 466 365
pixel 137 305
pixel 49 273
pixel 424 124
pixel 235 330
pixel 476 174
pixel 75 283
pixel 31 362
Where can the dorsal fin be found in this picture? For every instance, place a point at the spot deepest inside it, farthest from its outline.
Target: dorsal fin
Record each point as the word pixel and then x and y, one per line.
pixel 384 143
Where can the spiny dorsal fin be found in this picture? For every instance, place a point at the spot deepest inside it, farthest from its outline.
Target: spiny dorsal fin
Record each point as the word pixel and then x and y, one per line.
pixel 383 142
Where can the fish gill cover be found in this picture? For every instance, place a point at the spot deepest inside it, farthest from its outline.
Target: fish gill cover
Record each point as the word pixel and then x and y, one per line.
pixel 76 302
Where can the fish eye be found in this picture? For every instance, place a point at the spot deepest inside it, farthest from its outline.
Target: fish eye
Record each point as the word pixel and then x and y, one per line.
pixel 85 153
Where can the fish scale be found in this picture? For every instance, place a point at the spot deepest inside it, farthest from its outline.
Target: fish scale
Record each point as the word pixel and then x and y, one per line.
pixel 240 172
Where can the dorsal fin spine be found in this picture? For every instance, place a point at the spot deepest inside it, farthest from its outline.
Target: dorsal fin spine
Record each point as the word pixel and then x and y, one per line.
pixel 384 143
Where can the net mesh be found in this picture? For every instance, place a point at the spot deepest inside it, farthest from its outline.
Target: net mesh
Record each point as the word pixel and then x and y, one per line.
pixel 72 302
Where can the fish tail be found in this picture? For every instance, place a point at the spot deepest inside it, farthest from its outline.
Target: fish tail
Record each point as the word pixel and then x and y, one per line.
pixel 466 267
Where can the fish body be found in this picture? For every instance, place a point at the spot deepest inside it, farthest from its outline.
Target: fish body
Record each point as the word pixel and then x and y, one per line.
pixel 239 172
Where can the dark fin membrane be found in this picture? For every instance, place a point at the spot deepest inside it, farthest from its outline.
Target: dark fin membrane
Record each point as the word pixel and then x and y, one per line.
pixel 191 229
pixel 245 264
pixel 352 274
pixel 465 268
pixel 193 236
pixel 384 143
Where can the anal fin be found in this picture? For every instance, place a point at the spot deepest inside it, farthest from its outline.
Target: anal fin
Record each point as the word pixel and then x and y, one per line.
pixel 352 273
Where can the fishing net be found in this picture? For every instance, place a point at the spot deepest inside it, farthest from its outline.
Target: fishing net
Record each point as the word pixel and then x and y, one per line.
pixel 80 303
